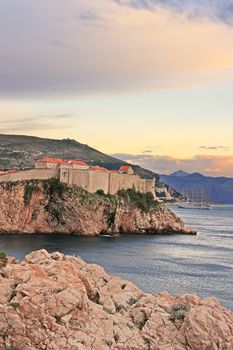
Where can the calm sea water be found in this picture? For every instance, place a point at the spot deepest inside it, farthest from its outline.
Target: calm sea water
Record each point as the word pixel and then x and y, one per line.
pixel 180 264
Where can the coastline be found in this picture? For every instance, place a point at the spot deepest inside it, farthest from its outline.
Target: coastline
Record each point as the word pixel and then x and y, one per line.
pixel 50 207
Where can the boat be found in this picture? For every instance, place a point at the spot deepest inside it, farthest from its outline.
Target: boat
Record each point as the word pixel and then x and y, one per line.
pixel 195 201
pixel 190 205
pixel 109 235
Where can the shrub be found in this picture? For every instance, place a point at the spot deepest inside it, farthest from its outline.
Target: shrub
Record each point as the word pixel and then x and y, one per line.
pixel 123 194
pixel 15 305
pixel 28 191
pixel 10 185
pixel 111 218
pixel 54 186
pixel 143 201
pixel 100 193
pixel 3 260
pixel 178 311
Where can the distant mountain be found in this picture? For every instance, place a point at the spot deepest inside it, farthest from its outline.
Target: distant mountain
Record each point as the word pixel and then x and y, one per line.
pixel 217 189
pixel 179 173
pixel 20 152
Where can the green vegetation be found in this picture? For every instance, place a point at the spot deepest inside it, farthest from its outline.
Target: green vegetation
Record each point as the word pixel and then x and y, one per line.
pixel 29 189
pixel 111 218
pixel 100 193
pixel 54 186
pixel 3 260
pixel 142 201
pixel 10 185
pixel 15 305
pixel 178 311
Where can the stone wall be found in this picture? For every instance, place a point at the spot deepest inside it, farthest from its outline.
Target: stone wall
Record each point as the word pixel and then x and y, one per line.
pixel 33 174
pixel 150 185
pixel 75 177
pixel 98 181
pixel 124 181
pixel 90 180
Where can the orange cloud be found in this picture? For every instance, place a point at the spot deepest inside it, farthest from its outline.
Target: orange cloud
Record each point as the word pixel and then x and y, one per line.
pixel 206 164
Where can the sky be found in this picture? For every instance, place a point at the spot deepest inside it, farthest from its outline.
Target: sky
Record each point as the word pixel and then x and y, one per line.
pixel 147 81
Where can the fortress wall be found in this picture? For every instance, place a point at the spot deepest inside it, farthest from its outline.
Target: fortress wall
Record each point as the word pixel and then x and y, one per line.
pixel 65 176
pixel 150 186
pixel 90 180
pixel 33 174
pixel 75 177
pixel 124 181
pixel 98 181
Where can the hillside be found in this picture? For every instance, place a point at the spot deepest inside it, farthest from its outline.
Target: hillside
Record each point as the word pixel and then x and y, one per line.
pixel 217 189
pixel 20 152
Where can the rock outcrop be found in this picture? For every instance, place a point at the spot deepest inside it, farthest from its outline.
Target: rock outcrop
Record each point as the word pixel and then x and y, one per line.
pixel 50 207
pixel 57 302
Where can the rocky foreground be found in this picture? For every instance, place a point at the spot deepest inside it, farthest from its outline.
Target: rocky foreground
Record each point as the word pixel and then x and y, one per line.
pixel 52 207
pixel 57 302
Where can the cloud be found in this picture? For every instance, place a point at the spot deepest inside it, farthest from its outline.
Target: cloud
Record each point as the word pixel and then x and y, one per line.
pixel 147 151
pixel 31 127
pixel 208 165
pixel 41 55
pixel 215 148
pixel 216 10
pixel 60 44
pixel 91 18
pixel 34 123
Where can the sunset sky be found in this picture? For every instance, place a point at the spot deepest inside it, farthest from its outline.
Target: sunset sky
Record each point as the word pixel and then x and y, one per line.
pixel 148 81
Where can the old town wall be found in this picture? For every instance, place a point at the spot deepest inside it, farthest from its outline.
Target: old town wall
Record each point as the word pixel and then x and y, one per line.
pixel 32 174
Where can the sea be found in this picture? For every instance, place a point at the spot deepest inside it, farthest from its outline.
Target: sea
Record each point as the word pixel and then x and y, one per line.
pixel 179 264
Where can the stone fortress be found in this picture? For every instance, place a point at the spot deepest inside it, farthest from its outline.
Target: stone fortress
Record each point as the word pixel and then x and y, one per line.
pixel 76 172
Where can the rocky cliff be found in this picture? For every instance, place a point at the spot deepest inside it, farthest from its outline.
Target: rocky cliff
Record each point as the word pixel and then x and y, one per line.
pixel 57 302
pixel 51 207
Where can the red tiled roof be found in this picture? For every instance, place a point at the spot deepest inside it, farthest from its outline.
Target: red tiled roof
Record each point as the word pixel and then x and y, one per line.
pixel 8 172
pixel 51 160
pixel 61 161
pixel 124 167
pixel 77 162
pixel 12 171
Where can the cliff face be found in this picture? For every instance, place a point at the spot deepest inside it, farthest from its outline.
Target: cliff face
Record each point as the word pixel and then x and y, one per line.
pixel 57 302
pixel 46 207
